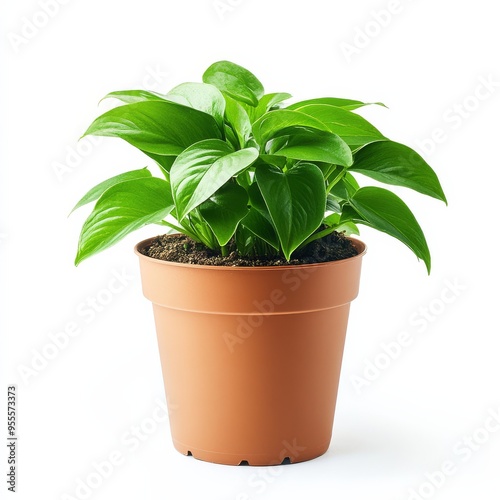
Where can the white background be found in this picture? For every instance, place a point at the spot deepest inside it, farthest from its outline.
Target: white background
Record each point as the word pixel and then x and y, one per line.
pixel 426 61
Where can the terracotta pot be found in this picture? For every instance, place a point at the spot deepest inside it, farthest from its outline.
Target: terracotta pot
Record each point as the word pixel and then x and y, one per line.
pixel 251 356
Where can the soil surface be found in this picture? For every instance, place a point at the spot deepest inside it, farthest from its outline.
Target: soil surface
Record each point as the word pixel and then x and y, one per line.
pixel 180 248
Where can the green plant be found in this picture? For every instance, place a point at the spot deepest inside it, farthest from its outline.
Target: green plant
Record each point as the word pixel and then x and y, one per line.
pixel 239 168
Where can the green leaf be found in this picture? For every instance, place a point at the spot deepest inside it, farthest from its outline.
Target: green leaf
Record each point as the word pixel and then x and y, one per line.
pixel 383 210
pixel 277 161
pixel 235 81
pixel 296 201
pixel 202 169
pixel 345 188
pixel 266 102
pixel 257 200
pixel 239 120
pixel 333 221
pixel 96 191
pixel 352 128
pixel 231 137
pixel 244 179
pixel 332 204
pixel 245 240
pixel 224 210
pixel 258 220
pixel 131 96
pixel 397 164
pixel 316 146
pixel 261 226
pixel 164 162
pixel 282 122
pixel 159 127
pixel 349 104
pixel 351 183
pixel 202 97
pixel 121 209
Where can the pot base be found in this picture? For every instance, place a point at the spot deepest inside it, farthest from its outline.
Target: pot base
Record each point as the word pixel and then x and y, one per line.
pixel 290 454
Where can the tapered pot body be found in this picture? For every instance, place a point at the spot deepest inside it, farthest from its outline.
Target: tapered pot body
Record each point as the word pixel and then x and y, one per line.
pixel 251 357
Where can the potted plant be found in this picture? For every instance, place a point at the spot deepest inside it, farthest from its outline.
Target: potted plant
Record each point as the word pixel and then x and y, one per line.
pixel 252 302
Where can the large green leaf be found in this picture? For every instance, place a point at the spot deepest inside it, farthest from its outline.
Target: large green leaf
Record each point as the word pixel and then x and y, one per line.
pixel 96 191
pixel 239 120
pixel 202 169
pixel 281 122
pixel 200 96
pixel 296 200
pixel 224 210
pixel 383 210
pixel 159 127
pixel 352 128
pixel 397 164
pixel 131 96
pixel 236 81
pixel 316 146
pixel 121 209
pixel 334 101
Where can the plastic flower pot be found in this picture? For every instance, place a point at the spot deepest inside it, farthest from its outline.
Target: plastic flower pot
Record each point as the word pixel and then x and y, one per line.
pixel 251 356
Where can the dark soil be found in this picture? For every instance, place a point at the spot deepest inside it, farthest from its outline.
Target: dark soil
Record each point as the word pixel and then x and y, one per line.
pixel 180 248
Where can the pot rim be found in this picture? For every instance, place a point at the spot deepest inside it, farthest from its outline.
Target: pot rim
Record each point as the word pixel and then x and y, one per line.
pixel 360 246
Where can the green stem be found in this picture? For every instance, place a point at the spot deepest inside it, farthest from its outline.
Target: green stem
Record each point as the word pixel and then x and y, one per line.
pixel 336 179
pixel 330 170
pixel 224 250
pixel 316 236
pixel 181 230
pixel 170 225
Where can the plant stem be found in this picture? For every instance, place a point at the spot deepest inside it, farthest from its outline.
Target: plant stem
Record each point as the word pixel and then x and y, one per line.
pixel 224 250
pixel 330 170
pixel 337 178
pixel 178 229
pixel 316 236
pixel 170 225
